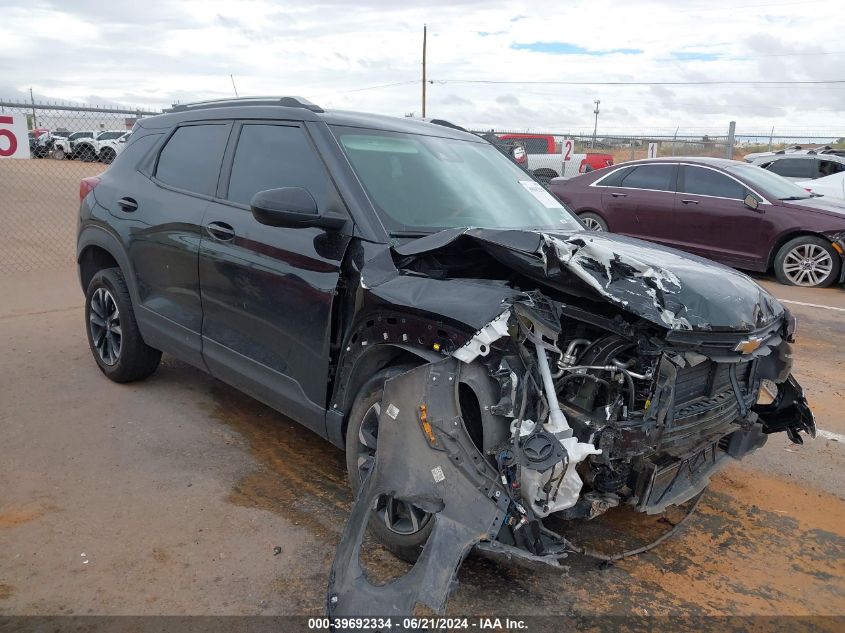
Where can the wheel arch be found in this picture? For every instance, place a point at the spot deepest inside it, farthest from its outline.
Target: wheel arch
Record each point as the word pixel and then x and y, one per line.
pixel 97 249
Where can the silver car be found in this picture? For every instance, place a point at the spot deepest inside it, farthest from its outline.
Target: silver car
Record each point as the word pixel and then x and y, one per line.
pixel 799 167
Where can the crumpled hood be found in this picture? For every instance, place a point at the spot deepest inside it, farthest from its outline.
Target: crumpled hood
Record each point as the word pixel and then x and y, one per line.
pixel 665 286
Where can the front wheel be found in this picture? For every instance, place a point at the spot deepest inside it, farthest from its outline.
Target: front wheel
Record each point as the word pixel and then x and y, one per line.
pixel 400 526
pixel 113 335
pixel 107 155
pixel 807 261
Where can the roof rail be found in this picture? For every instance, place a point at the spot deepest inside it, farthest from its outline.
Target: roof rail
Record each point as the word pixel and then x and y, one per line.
pixel 288 102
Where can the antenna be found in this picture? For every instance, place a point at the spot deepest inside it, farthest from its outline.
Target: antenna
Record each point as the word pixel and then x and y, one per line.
pixel 423 70
pixel 233 84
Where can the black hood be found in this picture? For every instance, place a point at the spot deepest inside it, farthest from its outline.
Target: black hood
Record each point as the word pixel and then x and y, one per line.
pixel 670 288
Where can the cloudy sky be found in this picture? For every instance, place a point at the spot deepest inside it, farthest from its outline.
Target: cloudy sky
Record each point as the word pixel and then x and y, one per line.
pixel 366 56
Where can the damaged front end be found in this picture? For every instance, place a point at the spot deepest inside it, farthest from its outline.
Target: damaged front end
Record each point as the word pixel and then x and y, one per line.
pixel 599 379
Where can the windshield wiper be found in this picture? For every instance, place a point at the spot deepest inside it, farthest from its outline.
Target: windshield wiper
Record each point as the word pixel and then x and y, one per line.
pixel 410 233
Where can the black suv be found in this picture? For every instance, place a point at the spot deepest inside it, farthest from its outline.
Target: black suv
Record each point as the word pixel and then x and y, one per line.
pixel 527 371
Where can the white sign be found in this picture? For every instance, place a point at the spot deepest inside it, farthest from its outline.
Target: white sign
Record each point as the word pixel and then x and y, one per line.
pixel 652 150
pixel 14 140
pixel 543 196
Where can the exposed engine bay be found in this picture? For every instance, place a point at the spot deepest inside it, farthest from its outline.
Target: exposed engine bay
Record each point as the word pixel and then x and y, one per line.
pixel 610 383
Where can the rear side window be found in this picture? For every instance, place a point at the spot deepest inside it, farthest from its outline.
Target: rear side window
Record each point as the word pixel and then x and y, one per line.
pixel 793 167
pixel 191 159
pixel 657 177
pixel 615 179
pixel 275 156
pixel 535 145
pixel 707 182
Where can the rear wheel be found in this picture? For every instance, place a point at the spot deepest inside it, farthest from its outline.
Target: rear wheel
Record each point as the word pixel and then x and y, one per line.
pixel 593 221
pixel 107 155
pixel 59 153
pixel 807 261
pixel 86 154
pixel 113 334
pixel 400 526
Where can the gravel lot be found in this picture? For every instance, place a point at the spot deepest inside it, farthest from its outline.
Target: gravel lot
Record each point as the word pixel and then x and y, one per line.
pixel 169 496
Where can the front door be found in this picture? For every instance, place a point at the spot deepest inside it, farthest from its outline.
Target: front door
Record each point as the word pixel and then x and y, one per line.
pixel 712 220
pixel 267 292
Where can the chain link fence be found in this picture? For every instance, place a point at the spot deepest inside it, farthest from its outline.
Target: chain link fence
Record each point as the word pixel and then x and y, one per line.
pixel 39 184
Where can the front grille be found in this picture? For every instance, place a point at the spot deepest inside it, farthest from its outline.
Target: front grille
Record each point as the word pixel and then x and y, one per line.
pixel 705 405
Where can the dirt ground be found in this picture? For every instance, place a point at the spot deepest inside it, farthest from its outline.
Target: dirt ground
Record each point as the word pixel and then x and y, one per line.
pixel 169 496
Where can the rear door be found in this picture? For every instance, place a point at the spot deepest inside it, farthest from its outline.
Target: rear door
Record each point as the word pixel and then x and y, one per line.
pixel 267 292
pixel 640 199
pixel 712 220
pixel 163 216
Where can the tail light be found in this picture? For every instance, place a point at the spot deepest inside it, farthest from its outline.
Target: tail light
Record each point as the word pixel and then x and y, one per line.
pixel 86 186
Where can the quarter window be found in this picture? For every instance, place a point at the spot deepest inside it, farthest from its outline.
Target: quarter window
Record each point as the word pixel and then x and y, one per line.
pixel 657 177
pixel 272 157
pixel 191 159
pixel 614 179
pixel 828 168
pixel 706 182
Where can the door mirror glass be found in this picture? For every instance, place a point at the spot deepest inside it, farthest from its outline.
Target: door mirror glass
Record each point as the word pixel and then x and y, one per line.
pixel 292 207
pixel 751 202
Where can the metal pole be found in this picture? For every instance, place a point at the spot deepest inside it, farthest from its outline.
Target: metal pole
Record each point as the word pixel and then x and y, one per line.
pixel 596 126
pixel 425 29
pixel 674 138
pixel 729 150
pixel 32 99
pixel 771 136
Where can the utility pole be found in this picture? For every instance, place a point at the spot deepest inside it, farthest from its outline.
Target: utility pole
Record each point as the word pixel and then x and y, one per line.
pixel 32 101
pixel 425 28
pixel 596 126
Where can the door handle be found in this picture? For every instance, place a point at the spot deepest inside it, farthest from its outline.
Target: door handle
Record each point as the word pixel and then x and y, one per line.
pixel 690 201
pixel 220 231
pixel 128 204
pixel 619 195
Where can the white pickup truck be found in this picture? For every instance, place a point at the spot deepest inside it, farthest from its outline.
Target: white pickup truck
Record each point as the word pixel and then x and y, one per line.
pixel 549 158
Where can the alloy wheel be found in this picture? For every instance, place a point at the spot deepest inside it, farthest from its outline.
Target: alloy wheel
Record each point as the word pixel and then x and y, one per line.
pixel 104 321
pixel 592 224
pixel 399 516
pixel 807 265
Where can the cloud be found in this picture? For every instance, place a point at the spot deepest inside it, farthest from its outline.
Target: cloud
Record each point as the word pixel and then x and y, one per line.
pixel 110 52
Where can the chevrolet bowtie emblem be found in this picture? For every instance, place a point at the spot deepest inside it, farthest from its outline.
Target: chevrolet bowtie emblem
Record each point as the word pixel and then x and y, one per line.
pixel 749 345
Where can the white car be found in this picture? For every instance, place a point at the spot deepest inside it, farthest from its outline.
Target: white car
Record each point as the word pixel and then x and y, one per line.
pixel 108 145
pixel 833 186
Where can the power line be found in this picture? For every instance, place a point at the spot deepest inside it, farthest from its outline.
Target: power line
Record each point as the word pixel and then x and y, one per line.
pixel 643 83
pixel 398 83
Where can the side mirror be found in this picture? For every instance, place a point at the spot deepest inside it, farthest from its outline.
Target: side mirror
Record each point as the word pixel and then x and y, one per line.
pixel 291 207
pixel 751 202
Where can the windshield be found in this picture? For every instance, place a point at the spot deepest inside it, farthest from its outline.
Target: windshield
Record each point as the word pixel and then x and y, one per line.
pixel 425 183
pixel 772 184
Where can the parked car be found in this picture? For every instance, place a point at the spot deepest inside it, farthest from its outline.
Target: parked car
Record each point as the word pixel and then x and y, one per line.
pixel 512 148
pixel 322 262
pixel 108 145
pixel 829 186
pixel 802 166
pixel 796 149
pixel 729 211
pixel 64 143
pixel 547 159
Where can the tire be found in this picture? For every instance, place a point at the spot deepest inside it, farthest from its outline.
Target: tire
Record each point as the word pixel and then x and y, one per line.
pixel 113 337
pixel 58 154
pixel 807 261
pixel 406 545
pixel 593 221
pixel 107 155
pixel 86 154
